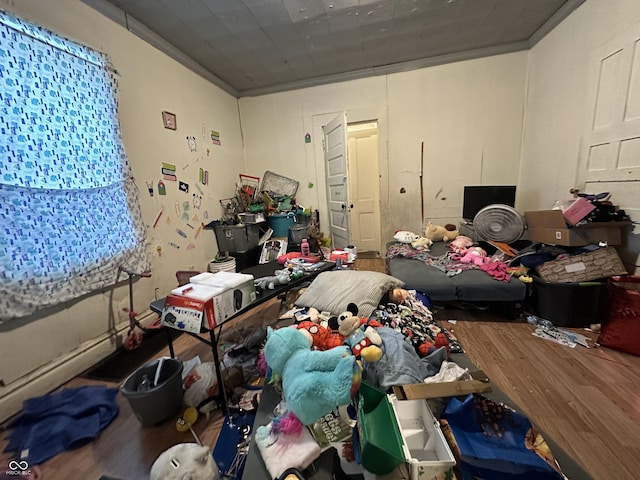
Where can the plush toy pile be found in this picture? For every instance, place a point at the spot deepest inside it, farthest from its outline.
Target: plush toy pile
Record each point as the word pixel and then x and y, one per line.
pixel 416 241
pixel 314 382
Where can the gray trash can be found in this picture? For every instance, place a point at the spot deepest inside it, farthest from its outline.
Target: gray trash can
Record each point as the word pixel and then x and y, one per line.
pixel 154 403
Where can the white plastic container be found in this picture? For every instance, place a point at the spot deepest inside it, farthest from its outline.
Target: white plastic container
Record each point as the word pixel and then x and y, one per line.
pixel 426 450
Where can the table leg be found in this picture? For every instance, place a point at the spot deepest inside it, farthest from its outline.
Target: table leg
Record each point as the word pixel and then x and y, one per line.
pixel 169 341
pixel 222 392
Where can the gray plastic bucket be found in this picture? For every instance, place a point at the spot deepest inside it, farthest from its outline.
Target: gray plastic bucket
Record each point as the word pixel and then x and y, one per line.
pixel 160 401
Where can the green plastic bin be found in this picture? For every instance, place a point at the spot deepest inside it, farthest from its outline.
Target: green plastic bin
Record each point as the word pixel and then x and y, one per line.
pixel 380 438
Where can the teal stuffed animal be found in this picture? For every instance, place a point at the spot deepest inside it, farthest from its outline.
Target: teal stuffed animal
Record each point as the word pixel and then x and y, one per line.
pixel 313 382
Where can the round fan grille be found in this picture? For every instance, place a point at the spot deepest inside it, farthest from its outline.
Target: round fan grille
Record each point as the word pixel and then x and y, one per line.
pixel 499 223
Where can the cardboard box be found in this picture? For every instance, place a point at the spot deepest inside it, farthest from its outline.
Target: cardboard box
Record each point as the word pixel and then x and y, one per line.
pixel 600 263
pixel 197 306
pixel 415 391
pixel 190 308
pixel 550 227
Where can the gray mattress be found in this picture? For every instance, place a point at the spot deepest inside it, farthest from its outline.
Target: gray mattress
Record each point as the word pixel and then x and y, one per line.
pixel 470 285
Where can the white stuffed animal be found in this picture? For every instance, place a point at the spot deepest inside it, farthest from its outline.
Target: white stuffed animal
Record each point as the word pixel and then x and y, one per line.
pixel 404 236
pixel 422 243
pixel 185 461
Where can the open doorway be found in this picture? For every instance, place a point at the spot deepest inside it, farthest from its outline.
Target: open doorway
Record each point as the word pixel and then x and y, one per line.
pixel 364 187
pixel 333 171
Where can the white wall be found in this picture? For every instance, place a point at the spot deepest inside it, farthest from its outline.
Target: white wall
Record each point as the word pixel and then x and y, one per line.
pixel 468 114
pixel 557 106
pixel 150 82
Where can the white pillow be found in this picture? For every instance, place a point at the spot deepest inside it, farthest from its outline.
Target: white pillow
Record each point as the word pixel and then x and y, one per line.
pixel 332 291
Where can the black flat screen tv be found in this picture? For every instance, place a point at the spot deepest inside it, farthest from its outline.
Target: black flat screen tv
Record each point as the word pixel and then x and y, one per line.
pixel 476 197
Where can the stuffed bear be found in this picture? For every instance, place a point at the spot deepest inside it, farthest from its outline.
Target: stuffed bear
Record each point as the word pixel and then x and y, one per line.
pixel 363 340
pixel 314 382
pixel 439 233
pixel 185 461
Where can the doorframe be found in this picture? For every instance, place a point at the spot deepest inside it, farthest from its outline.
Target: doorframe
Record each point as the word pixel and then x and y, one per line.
pixel 356 115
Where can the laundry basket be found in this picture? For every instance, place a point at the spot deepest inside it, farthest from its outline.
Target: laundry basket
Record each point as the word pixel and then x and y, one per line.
pixel 161 399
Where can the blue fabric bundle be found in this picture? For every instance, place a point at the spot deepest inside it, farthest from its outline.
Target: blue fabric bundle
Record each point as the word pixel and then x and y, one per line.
pixel 59 421
pixel 496 442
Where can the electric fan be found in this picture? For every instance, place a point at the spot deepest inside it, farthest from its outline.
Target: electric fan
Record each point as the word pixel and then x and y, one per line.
pixel 499 223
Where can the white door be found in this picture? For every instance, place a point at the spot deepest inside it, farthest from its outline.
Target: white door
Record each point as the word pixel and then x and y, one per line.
pixel 611 141
pixel 335 158
pixel 364 186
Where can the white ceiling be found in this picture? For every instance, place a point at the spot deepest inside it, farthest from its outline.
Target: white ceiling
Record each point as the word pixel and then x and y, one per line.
pixel 252 47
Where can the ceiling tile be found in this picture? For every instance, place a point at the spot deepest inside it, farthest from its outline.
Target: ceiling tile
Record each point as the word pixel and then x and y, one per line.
pixel 269 45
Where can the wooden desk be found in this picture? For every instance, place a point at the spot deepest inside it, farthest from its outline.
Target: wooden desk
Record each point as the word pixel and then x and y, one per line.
pixel 258 271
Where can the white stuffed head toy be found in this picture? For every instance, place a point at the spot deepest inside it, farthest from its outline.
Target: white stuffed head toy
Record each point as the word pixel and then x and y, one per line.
pixel 185 461
pixel 404 236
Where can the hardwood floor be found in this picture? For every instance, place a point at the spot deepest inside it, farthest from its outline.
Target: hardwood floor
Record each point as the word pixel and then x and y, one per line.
pixel 587 400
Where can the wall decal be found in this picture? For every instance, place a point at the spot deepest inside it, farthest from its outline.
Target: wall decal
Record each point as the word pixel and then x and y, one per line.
pixel 162 190
pixel 159 214
pixel 215 137
pixel 169 171
pixel 191 143
pixel 203 176
pixel 183 187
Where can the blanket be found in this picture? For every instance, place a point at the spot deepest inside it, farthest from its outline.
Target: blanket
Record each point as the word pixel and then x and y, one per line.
pixel 415 321
pixel 59 421
pixel 400 364
pixel 448 263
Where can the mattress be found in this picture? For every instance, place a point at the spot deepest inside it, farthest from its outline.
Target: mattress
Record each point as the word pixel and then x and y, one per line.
pixel 469 285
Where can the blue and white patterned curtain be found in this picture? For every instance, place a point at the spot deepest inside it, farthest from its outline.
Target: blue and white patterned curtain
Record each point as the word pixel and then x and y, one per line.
pixel 69 208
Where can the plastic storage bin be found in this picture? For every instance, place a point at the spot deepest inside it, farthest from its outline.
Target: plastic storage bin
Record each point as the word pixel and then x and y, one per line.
pixel 569 304
pixel 281 222
pixel 162 399
pixel 393 432
pixel 247 259
pixel 237 238
pixel 297 233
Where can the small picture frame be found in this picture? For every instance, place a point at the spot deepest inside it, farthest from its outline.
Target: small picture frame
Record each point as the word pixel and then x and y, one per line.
pixel 169 120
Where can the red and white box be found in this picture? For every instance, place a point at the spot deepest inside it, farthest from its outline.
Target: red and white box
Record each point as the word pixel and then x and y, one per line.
pixel 197 306
pixel 190 307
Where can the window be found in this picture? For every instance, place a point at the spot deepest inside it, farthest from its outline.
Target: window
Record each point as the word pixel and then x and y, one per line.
pixel 69 209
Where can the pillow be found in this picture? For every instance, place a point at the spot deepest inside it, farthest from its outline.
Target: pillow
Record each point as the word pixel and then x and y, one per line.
pixel 332 291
